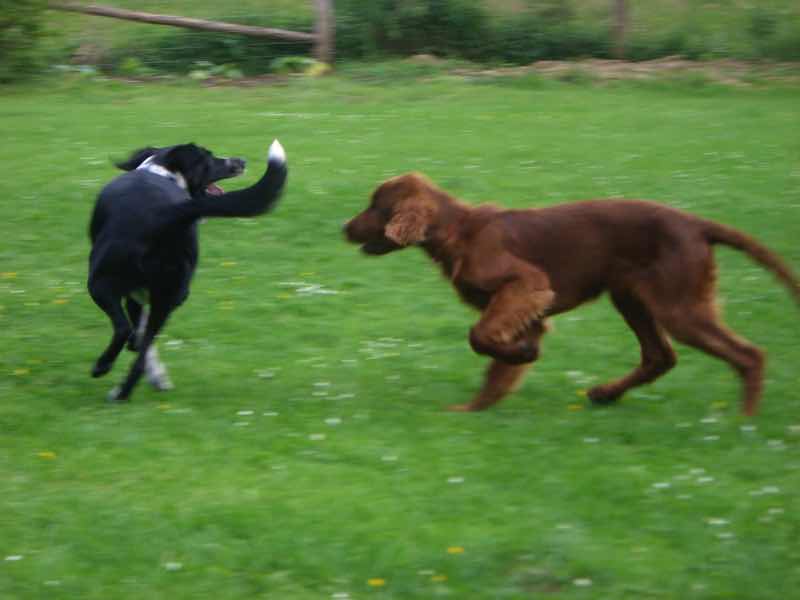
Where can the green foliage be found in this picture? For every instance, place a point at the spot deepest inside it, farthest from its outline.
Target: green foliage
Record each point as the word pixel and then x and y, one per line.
pixel 177 50
pixel 132 66
pixel 21 30
pixel 775 34
pixel 540 35
pixel 298 65
pixel 203 69
pixel 445 27
pixel 763 23
pixel 464 29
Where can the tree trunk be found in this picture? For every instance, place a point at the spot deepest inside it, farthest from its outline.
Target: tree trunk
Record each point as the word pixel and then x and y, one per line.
pixel 620 28
pixel 324 32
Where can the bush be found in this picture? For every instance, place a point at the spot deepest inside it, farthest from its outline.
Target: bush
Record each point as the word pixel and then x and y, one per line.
pixel 405 27
pixel 20 33
pixel 775 36
pixel 530 38
pixel 179 50
pixel 463 29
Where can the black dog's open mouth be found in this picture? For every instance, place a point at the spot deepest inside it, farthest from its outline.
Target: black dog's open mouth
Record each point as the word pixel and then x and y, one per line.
pixel 214 189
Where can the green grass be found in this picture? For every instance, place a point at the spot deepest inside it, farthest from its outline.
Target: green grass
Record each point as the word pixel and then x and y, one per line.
pixel 305 450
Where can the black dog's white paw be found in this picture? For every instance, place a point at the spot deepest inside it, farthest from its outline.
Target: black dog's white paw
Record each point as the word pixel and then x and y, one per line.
pixel 115 396
pixel 156 371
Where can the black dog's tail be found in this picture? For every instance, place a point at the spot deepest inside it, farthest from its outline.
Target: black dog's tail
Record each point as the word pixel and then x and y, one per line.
pixel 252 201
pixel 249 202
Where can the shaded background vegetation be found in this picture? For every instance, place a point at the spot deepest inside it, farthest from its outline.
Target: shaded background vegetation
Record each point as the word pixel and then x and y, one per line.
pixel 487 31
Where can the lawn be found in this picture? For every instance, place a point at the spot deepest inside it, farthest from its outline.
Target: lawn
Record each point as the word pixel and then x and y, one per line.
pixel 306 452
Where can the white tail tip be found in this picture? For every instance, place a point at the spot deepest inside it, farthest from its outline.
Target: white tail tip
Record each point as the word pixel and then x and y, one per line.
pixel 276 153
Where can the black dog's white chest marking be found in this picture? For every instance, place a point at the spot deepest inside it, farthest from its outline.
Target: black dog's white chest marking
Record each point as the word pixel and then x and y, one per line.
pixel 177 178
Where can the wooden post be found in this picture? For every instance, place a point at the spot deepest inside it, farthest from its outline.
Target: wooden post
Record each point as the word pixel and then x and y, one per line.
pixel 620 28
pixel 324 32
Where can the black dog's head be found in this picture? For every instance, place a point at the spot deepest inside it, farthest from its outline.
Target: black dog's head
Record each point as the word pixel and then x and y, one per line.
pixel 199 167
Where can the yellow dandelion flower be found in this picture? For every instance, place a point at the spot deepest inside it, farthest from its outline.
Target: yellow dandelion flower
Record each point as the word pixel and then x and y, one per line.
pixel 46 454
pixel 21 372
pixel 581 393
pixel 439 578
pixel 60 301
pixel 455 550
pixel 8 275
pixel 376 582
pixel 228 263
pixel 575 407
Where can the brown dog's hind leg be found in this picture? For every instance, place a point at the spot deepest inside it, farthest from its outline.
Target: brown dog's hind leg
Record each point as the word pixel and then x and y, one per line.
pixel 657 356
pixel 501 379
pixel 700 327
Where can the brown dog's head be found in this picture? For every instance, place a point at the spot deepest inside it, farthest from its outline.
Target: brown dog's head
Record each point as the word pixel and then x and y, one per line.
pixel 401 212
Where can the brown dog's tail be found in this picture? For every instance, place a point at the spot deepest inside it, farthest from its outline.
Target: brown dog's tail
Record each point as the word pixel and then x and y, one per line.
pixel 721 234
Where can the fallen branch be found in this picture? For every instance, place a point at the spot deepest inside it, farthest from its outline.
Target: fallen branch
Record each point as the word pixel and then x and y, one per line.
pixel 186 22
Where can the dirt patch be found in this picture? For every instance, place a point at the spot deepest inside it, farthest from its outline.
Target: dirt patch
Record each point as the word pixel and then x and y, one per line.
pixel 731 72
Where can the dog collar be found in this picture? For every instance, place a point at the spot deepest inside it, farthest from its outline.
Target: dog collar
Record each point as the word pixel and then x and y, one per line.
pixel 150 166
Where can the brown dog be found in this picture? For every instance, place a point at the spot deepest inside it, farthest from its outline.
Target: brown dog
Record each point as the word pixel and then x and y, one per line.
pixel 520 266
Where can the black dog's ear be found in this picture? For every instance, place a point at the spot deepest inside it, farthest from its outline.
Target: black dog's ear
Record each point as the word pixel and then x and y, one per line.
pixel 191 161
pixel 137 158
pixel 183 158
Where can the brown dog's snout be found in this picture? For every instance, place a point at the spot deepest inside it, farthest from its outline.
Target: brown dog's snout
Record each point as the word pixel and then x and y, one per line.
pixel 361 228
pixel 347 230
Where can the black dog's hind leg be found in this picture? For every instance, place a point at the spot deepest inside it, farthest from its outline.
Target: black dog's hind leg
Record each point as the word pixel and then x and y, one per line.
pixel 111 304
pixel 155 370
pixel 157 318
pixel 135 313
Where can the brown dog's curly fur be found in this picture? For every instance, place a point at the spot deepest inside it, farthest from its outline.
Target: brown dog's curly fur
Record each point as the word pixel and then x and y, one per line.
pixel 520 266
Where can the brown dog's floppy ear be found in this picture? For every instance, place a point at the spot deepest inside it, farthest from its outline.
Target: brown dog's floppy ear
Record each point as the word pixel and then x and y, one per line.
pixel 408 226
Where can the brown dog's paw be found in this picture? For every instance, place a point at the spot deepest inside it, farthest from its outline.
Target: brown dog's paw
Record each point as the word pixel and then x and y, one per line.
pixel 522 349
pixel 461 408
pixel 603 395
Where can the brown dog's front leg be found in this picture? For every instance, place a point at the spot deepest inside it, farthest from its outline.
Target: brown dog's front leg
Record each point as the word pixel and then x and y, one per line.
pixel 501 379
pixel 510 327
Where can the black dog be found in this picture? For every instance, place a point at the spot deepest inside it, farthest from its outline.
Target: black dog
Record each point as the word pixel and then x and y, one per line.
pixel 144 241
